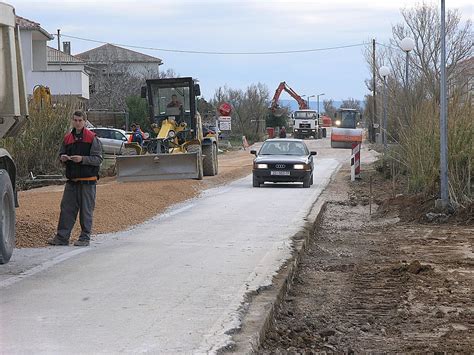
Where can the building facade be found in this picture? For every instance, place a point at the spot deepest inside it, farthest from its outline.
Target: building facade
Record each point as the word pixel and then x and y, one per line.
pixel 61 79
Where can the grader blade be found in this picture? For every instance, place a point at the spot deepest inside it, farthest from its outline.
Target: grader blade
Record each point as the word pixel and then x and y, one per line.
pixel 150 167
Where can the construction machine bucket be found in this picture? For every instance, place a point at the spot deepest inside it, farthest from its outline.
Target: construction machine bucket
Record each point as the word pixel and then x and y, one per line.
pixel 151 167
pixel 344 137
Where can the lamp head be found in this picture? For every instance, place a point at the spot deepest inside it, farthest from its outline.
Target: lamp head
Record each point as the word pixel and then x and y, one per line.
pixel 407 44
pixel 384 71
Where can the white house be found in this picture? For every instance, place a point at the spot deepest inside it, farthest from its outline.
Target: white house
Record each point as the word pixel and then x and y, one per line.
pixel 61 79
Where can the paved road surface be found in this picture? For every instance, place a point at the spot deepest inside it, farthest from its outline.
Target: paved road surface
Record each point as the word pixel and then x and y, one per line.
pixel 173 284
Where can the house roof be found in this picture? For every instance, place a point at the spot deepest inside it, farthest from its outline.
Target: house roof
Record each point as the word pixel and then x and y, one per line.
pixel 29 25
pixel 110 53
pixel 55 56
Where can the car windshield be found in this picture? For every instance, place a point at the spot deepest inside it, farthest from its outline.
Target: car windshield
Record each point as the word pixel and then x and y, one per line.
pixel 171 101
pixel 349 119
pixel 283 148
pixel 305 115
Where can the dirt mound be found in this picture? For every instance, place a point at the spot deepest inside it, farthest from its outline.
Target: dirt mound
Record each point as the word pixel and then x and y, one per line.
pixel 421 209
pixel 465 216
pixel 408 208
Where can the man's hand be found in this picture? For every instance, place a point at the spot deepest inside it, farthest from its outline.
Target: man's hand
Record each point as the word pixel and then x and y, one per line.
pixel 76 158
pixel 64 158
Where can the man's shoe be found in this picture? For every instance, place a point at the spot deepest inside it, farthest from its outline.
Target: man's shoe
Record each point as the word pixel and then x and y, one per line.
pixel 56 240
pixel 81 243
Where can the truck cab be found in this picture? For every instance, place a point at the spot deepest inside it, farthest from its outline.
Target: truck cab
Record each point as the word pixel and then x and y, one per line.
pixel 306 124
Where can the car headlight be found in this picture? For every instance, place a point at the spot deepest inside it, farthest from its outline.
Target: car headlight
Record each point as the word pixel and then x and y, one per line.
pixel 296 130
pixel 171 134
pixel 261 166
pixel 302 167
pixel 313 130
pixel 338 123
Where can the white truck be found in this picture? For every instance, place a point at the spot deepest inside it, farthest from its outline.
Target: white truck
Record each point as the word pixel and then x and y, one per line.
pixel 306 124
pixel 13 114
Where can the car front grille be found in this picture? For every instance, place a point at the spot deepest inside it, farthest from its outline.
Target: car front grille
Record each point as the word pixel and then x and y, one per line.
pixel 305 125
pixel 280 166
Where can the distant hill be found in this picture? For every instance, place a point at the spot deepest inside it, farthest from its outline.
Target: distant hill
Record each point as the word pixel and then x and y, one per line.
pixel 312 104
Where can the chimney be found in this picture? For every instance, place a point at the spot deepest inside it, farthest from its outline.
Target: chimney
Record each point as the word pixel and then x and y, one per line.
pixel 67 47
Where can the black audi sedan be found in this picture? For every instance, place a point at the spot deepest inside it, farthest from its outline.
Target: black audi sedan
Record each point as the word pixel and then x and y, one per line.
pixel 283 160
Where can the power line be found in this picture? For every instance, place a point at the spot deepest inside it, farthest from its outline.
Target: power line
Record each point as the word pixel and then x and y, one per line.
pixel 219 52
pixel 388 46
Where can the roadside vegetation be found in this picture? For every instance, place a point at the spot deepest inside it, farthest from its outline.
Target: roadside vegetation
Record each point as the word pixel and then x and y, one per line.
pixel 413 106
pixel 36 149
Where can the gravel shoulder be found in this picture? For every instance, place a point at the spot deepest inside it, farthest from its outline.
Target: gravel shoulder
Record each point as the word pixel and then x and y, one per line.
pixel 119 205
pixel 372 283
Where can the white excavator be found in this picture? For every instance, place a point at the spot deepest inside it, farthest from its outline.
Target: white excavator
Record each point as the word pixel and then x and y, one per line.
pixel 13 114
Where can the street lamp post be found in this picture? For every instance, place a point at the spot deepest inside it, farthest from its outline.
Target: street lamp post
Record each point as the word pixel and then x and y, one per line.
pixel 317 99
pixel 407 45
pixel 443 116
pixel 309 98
pixel 384 71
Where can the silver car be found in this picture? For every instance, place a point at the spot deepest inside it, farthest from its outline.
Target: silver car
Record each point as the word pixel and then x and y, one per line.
pixel 112 139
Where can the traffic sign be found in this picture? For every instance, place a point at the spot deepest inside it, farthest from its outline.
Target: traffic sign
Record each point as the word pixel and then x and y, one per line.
pixel 225 125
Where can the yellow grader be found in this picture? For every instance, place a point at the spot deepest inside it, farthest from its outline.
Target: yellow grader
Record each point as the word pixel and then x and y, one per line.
pixel 181 149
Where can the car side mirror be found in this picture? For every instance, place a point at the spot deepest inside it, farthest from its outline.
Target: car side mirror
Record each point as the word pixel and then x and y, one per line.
pixel 143 92
pixel 314 153
pixel 254 152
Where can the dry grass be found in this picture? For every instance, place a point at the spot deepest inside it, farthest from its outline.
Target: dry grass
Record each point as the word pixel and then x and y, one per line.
pixel 417 152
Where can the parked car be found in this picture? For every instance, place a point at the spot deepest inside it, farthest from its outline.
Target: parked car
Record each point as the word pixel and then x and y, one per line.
pixel 111 139
pixel 215 129
pixel 283 160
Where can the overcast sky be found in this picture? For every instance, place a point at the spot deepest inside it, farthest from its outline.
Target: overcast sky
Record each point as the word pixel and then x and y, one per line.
pixel 238 26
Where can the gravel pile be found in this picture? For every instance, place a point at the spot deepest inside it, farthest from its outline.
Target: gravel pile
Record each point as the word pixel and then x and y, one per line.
pixel 118 205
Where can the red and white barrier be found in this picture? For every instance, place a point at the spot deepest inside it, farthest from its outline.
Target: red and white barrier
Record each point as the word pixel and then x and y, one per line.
pixel 355 161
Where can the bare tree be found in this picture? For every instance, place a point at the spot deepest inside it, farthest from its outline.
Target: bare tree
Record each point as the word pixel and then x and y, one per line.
pixel 329 108
pixel 168 73
pixel 250 108
pixel 351 103
pixel 113 84
pixel 423 24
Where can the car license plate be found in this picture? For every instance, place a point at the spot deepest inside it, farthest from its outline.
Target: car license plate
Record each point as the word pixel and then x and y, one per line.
pixel 280 173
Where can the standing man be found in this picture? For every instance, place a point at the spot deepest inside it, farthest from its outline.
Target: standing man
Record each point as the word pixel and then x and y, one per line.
pixel 81 153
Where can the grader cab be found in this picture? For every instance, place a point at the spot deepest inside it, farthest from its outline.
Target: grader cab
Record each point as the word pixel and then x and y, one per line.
pixel 180 149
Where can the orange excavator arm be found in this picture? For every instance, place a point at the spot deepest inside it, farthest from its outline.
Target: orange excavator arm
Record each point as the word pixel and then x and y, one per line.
pixel 283 86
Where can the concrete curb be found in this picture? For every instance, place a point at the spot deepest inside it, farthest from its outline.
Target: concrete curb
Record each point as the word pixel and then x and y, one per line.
pixel 263 304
